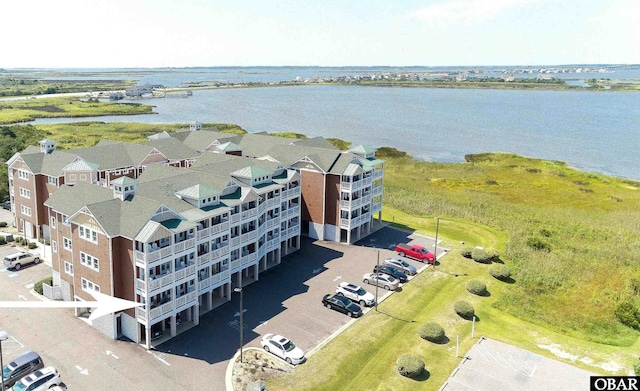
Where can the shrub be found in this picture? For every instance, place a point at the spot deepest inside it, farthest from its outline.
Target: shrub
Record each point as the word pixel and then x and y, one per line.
pixel 409 365
pixel 3 224
pixel 2 240
pixel 466 252
pixel 38 285
pixel 32 245
pixel 477 287
pixel 636 368
pixel 431 331
pixel 494 255
pixel 628 315
pixel 538 244
pixel 480 255
pixel 501 272
pixel 19 239
pixel 464 309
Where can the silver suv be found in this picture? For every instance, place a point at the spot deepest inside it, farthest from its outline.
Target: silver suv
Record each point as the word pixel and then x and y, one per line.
pixel 17 260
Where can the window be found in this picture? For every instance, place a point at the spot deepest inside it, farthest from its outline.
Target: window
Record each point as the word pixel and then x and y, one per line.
pixel 89 286
pixel 23 175
pixel 65 220
pixel 53 222
pixel 25 210
pixel 68 268
pixel 89 261
pixel 72 177
pixel 83 177
pixel 66 243
pixel 88 234
pixel 54 246
pixel 51 180
pixel 25 192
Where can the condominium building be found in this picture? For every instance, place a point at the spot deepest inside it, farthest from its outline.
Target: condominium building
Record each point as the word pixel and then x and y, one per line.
pixel 177 228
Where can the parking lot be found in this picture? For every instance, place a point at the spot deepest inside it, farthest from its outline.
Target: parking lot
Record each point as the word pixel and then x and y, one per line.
pixel 285 300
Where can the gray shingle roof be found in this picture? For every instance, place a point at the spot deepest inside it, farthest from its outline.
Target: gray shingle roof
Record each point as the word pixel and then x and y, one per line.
pixel 69 199
pixel 173 148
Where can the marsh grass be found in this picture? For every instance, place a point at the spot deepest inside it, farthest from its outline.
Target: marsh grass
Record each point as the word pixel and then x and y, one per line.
pixel 13 111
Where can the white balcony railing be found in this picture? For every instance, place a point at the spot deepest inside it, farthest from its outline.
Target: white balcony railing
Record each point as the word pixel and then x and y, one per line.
pixel 235 218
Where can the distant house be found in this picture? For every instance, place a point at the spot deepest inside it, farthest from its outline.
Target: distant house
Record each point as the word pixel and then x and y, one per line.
pixel 145 89
pixel 508 77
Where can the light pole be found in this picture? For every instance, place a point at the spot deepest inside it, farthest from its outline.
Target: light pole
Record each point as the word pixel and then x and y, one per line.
pixel 239 290
pixel 435 249
pixel 377 272
pixel 3 337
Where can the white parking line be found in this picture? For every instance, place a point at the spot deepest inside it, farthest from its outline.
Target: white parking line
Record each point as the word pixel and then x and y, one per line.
pixel 316 319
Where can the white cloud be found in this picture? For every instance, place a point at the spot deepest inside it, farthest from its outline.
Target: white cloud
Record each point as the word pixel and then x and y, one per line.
pixel 465 11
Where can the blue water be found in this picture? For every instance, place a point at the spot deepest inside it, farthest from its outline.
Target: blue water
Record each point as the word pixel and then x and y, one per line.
pixel 593 131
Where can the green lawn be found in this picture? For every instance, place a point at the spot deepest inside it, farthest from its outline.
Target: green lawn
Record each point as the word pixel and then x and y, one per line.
pixel 562 300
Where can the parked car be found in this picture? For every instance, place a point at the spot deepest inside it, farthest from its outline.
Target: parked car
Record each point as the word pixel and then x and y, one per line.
pixel 386 269
pixel 156 331
pixel 383 280
pixel 401 265
pixel 17 260
pixel 20 367
pixel 342 304
pixel 6 205
pixel 416 252
pixel 40 380
pixel 355 293
pixel 283 348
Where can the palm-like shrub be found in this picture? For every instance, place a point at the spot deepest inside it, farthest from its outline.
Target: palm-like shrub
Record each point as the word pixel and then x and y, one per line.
pixel 409 365
pixel 501 272
pixel 464 309
pixel 477 287
pixel 431 331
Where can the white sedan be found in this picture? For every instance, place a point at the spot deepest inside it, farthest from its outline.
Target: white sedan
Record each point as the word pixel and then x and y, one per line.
pixel 283 348
pixel 382 280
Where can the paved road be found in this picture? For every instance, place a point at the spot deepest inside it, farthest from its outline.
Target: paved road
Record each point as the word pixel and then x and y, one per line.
pixel 286 299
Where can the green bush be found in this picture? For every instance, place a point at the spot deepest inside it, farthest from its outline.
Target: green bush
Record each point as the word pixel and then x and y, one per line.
pixel 628 315
pixel 477 287
pixel 431 331
pixel 2 240
pixel 3 224
pixel 38 285
pixel 480 255
pixel 464 309
pixel 32 245
pixel 538 244
pixel 636 368
pixel 466 252
pixel 501 272
pixel 409 365
pixel 494 255
pixel 19 239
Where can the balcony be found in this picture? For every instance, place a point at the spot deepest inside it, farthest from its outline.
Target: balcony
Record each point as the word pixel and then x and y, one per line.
pixel 185 245
pixel 238 263
pixel 235 218
pixel 188 271
pixel 204 233
pixel 160 282
pixel 156 312
pixel 204 258
pixel 186 299
pixel 149 259
pixel 224 250
pixel 293 210
pixel 377 174
pixel 273 202
pixel 249 236
pixel 224 226
pixel 247 214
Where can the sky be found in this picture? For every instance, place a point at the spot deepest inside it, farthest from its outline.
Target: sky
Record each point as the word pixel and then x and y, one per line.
pixel 189 33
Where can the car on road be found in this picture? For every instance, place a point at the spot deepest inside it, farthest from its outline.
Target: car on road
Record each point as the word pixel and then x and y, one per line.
pixel 40 380
pixel 355 293
pixel 342 304
pixel 401 265
pixel 382 280
pixel 17 260
pixel 283 348
pixel 386 269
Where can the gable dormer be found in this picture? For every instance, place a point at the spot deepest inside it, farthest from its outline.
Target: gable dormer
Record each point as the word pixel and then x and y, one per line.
pixel 47 146
pixel 124 188
pixel 252 175
pixel 199 196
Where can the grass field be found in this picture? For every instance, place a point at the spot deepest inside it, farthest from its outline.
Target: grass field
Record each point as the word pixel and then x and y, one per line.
pixel 561 302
